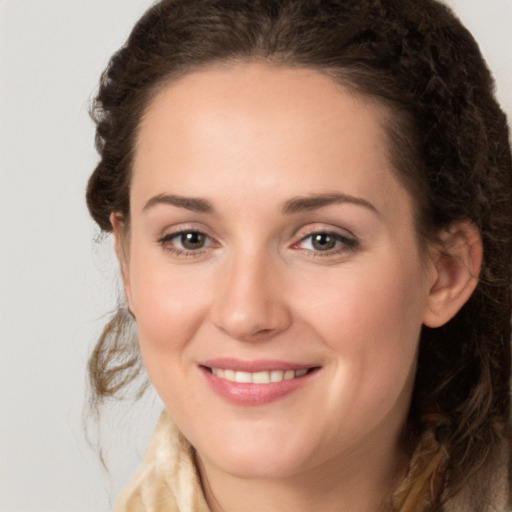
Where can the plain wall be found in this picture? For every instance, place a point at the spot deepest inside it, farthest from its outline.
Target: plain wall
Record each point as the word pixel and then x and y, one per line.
pixel 56 282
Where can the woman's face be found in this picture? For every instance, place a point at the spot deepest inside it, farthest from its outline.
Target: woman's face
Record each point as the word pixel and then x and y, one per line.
pixel 273 269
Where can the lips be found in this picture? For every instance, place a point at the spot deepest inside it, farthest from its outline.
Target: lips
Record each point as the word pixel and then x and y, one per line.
pixel 255 382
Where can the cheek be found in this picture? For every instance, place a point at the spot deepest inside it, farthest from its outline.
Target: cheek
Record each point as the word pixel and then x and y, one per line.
pixel 377 300
pixel 371 319
pixel 169 304
pixel 170 307
pixel 377 343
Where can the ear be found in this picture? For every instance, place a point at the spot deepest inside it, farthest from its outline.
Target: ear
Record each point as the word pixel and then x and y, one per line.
pixel 456 266
pixel 121 248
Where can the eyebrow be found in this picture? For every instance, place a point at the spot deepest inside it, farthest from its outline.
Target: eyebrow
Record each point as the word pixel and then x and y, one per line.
pixel 194 204
pixel 314 202
pixel 294 205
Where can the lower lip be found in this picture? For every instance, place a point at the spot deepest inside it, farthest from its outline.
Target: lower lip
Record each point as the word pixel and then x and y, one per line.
pixel 254 394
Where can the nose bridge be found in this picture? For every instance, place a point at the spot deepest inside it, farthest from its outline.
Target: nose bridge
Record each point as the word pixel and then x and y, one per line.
pixel 250 303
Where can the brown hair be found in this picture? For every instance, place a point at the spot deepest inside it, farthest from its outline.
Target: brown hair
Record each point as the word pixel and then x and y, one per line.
pixel 448 143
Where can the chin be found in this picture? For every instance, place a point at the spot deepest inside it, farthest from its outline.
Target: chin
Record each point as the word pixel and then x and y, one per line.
pixel 267 459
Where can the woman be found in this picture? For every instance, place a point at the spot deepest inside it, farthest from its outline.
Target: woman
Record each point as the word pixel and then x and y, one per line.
pixel 312 206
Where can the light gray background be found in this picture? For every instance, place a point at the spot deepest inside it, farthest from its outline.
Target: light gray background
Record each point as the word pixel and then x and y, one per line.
pixel 56 282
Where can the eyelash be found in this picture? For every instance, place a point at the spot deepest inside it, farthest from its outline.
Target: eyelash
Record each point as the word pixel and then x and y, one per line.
pixel 344 244
pixel 166 243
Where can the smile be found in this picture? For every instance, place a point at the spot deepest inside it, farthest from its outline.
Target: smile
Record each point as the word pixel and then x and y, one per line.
pixel 256 382
pixel 265 377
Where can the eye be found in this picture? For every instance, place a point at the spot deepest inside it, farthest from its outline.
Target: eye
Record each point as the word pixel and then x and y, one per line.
pixel 326 242
pixel 191 240
pixel 186 242
pixel 322 241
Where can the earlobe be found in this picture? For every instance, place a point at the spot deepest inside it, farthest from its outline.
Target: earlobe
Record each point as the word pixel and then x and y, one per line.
pixel 456 266
pixel 120 247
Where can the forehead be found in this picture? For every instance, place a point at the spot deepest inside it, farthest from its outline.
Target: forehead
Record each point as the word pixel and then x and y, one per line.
pixel 260 125
pixel 256 92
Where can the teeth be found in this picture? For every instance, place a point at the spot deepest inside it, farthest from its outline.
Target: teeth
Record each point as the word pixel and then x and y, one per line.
pixel 261 378
pixel 258 377
pixel 276 376
pixel 243 377
pixel 289 375
pixel 229 375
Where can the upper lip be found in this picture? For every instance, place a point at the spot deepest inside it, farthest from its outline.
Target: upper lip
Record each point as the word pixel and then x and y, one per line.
pixel 258 365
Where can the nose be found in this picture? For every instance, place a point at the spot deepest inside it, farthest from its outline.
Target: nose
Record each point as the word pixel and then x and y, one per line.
pixel 250 303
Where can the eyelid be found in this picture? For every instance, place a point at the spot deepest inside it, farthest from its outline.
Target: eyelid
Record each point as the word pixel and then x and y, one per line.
pixel 349 242
pixel 315 228
pixel 320 227
pixel 185 227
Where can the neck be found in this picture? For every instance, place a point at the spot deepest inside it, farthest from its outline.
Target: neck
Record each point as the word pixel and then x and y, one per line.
pixel 357 482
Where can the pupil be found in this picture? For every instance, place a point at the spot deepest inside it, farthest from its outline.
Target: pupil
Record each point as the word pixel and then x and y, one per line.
pixel 324 242
pixel 192 240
